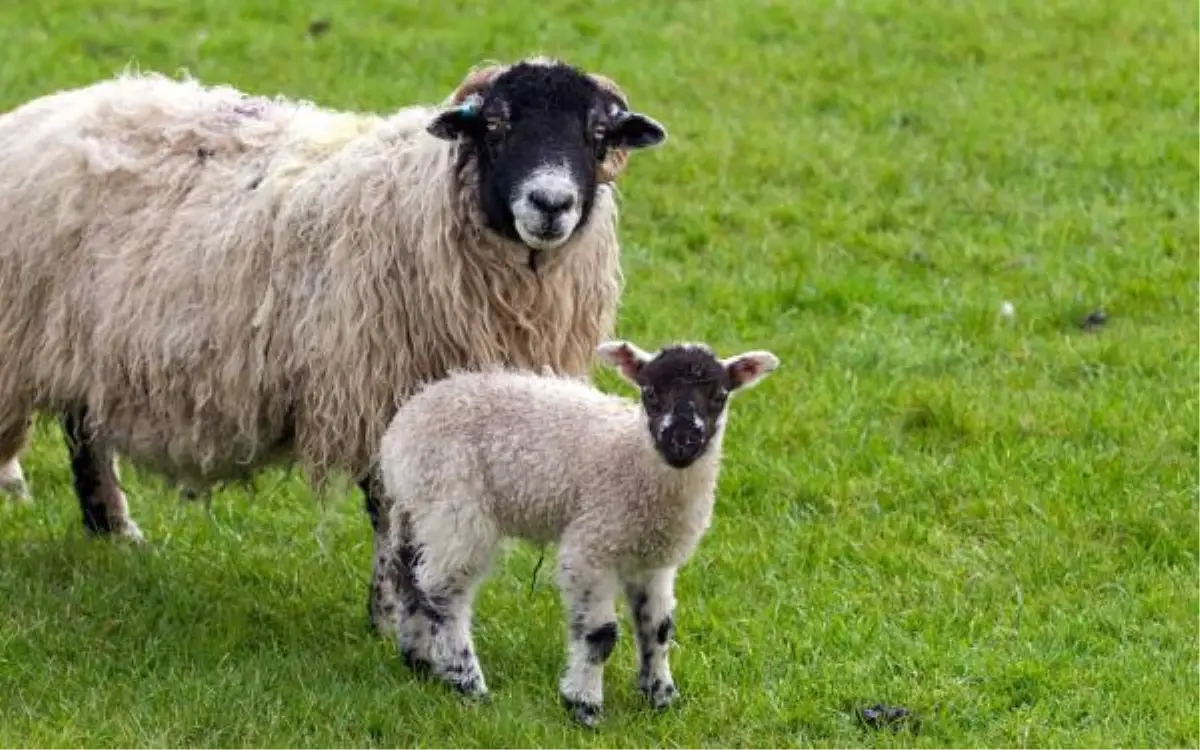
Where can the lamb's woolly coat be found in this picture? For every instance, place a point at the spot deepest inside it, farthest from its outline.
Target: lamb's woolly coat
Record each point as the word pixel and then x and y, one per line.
pixel 227 281
pixel 548 459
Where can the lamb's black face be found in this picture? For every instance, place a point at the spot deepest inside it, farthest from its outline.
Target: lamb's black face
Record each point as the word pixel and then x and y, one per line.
pixel 684 392
pixel 538 132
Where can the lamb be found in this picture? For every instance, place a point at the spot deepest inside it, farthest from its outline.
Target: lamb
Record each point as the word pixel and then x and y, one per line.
pixel 625 489
pixel 210 283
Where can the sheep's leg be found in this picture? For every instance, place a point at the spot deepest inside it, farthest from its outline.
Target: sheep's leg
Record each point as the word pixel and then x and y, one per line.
pixel 436 584
pixel 97 484
pixel 590 598
pixel 382 593
pixel 652 604
pixel 12 443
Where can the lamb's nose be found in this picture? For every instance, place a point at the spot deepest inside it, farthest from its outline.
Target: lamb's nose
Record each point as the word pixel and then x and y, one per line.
pixel 552 201
pixel 687 439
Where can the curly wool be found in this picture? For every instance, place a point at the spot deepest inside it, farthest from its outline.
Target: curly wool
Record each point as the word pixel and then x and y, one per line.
pixel 228 281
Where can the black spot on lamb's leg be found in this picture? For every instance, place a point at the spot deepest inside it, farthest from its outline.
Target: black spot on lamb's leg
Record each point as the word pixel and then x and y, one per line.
pixel 601 642
pixel 652 602
pixel 94 475
pixel 434 630
pixel 665 631
pixel 412 631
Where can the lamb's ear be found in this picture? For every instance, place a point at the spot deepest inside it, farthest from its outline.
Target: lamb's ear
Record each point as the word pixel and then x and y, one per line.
pixel 452 123
pixel 624 357
pixel 745 370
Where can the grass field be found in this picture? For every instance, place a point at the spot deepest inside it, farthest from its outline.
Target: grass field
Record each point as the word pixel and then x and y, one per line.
pixel 989 520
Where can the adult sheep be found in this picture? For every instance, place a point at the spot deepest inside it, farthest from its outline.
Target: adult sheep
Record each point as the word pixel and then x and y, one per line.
pixel 210 283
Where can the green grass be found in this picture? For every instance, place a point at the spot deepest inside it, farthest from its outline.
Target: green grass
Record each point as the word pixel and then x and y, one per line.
pixel 989 520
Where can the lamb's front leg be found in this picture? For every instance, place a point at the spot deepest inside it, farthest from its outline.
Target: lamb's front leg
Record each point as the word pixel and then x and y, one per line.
pixel 590 597
pixel 652 604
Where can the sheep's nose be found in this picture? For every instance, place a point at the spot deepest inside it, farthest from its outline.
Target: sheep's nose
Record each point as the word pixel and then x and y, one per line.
pixel 552 201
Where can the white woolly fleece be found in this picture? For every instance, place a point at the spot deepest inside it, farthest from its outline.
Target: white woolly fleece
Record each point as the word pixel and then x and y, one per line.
pixel 229 281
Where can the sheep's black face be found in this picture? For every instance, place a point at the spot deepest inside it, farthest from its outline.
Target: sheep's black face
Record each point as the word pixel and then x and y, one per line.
pixel 538 133
pixel 684 391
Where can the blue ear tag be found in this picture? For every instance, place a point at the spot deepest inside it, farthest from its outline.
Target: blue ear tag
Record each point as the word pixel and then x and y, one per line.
pixel 470 107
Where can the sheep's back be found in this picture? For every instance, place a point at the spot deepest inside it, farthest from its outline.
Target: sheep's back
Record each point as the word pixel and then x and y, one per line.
pixel 133 245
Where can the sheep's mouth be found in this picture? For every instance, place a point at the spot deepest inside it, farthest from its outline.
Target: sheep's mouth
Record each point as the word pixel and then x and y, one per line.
pixel 540 235
pixel 546 208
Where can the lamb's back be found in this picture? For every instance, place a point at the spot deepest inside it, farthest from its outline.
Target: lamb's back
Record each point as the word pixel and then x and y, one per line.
pixel 530 447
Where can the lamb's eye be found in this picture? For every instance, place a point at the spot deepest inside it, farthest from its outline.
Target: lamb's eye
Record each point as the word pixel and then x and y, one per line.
pixel 496 126
pixel 650 396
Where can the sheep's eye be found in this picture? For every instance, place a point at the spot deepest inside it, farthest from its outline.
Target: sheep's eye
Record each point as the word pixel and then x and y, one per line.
pixel 649 395
pixel 496 126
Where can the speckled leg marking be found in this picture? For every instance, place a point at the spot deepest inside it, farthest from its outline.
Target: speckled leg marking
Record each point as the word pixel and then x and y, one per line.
pixel 590 598
pixel 652 606
pixel 433 612
pixel 97 484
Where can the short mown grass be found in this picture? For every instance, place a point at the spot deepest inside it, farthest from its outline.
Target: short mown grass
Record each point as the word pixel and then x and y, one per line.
pixel 990 520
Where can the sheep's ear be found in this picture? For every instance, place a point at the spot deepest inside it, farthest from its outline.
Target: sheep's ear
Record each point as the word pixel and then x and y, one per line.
pixel 633 131
pixel 452 124
pixel 624 357
pixel 746 370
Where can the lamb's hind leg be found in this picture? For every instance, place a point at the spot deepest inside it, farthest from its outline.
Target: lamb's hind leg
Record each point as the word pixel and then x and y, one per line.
pixel 437 568
pixel 12 443
pixel 97 485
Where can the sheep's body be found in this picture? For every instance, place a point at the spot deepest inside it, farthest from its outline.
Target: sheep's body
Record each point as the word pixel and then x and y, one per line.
pixel 227 281
pixel 479 457
pixel 209 282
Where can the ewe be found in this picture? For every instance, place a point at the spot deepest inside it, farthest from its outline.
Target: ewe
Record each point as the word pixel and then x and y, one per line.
pixel 210 283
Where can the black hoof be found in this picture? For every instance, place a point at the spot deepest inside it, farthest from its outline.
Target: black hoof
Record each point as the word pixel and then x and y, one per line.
pixel 660 694
pixel 587 714
pixel 420 666
pixel 471 688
